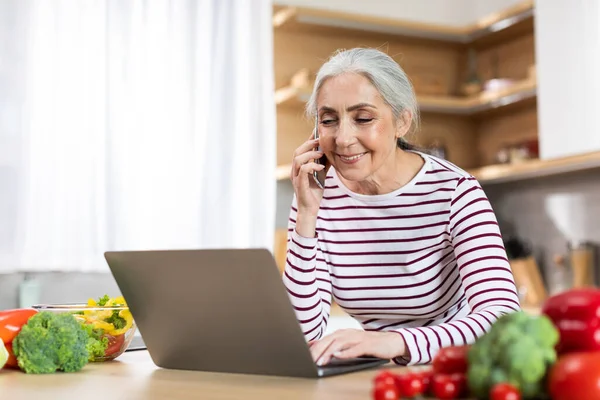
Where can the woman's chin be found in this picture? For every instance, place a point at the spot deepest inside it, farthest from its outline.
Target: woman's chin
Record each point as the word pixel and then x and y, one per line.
pixel 351 175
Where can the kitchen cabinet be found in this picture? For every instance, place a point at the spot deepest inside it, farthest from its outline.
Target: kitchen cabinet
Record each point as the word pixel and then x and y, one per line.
pixel 471 125
pixel 491 128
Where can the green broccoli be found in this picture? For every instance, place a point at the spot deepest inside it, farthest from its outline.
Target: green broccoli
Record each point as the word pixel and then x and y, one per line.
pixel 116 320
pixel 51 342
pixel 97 342
pixel 518 349
pixel 101 302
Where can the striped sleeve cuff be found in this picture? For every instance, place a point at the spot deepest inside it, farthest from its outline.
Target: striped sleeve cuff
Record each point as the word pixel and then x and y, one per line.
pixel 412 345
pixel 303 244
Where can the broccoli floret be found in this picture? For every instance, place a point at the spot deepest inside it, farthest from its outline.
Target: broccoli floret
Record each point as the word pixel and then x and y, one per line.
pixel 518 349
pixel 116 320
pixel 103 300
pixel 51 342
pixel 97 342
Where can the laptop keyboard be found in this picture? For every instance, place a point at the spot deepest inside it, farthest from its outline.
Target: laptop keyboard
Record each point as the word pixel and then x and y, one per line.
pixel 338 362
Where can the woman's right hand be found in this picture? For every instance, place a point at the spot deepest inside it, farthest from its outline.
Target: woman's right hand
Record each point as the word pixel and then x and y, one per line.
pixel 308 193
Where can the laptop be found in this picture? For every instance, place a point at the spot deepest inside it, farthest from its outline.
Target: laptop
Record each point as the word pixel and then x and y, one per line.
pixel 218 310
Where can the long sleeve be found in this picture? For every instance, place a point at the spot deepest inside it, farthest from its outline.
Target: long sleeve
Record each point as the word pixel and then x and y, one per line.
pixel 483 269
pixel 307 280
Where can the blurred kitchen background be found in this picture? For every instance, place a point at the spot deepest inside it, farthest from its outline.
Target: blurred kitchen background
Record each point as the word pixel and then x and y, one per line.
pixel 508 90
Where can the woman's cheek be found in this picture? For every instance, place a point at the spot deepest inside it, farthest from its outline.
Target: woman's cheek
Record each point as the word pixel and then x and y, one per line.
pixel 376 136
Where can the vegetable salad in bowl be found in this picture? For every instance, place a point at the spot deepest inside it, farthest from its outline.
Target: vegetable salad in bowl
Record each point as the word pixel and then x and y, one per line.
pixel 108 322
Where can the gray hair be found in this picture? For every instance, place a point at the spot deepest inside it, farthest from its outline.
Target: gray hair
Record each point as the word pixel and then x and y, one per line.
pixel 381 70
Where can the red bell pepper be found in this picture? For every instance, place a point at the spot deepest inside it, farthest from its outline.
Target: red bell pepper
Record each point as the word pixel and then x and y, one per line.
pixel 11 322
pixel 11 362
pixel 576 315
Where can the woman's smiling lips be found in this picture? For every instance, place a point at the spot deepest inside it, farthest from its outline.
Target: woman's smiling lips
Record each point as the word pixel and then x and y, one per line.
pixel 350 159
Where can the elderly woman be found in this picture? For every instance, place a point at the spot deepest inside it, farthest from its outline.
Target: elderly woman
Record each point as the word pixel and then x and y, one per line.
pixel 406 243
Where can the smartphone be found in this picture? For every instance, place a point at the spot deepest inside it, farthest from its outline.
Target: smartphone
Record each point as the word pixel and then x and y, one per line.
pixel 319 176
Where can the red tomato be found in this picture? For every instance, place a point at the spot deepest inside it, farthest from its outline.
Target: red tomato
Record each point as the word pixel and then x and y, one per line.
pixel 425 376
pixel 451 359
pixel 409 384
pixel 114 344
pixel 448 386
pixel 505 391
pixel 383 391
pixel 386 377
pixel 11 322
pixel 412 387
pixel 575 376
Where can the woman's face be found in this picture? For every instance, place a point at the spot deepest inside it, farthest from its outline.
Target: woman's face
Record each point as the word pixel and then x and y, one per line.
pixel 357 128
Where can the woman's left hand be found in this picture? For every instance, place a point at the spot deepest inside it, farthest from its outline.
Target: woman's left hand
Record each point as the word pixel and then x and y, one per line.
pixel 351 343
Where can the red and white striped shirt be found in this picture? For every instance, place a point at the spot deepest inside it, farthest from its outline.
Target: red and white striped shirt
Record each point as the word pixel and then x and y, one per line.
pixel 426 261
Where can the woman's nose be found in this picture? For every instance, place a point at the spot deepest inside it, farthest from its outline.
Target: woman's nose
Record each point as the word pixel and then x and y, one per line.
pixel 345 134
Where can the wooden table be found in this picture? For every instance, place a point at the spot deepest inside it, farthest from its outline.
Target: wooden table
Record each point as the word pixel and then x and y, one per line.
pixel 134 376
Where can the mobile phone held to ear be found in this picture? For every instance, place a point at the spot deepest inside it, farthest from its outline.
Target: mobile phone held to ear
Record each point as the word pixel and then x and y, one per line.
pixel 319 176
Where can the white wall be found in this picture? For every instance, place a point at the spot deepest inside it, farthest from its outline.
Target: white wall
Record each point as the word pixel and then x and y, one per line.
pixel 444 12
pixel 567 41
pixel 483 8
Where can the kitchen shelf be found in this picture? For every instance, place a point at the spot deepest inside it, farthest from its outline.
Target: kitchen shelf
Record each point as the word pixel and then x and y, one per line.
pixel 282 172
pixel 471 105
pixel 516 18
pixel 494 174
pixel 536 168
pixel 299 90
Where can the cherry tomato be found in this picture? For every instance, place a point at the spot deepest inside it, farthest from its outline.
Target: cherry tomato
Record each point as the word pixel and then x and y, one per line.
pixel 448 386
pixel 575 376
pixel 384 391
pixel 425 376
pixel 114 344
pixel 386 377
pixel 505 391
pixel 451 359
pixel 409 384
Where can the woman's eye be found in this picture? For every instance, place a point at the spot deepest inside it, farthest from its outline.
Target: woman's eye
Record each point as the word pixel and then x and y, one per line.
pixel 364 120
pixel 327 121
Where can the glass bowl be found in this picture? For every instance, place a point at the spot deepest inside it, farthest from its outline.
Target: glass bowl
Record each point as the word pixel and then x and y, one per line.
pixel 111 328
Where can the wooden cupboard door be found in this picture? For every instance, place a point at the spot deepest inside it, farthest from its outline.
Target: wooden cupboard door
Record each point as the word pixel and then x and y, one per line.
pixel 280 248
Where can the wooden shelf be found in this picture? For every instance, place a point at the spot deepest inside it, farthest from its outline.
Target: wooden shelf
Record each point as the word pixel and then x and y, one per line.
pixel 494 174
pixel 517 93
pixel 283 172
pixel 499 23
pixel 503 173
pixel 299 90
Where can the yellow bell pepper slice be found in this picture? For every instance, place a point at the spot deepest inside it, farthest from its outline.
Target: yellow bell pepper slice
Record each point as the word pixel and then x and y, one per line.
pixel 119 301
pixel 90 303
pixel 103 325
pixel 126 315
pixel 99 315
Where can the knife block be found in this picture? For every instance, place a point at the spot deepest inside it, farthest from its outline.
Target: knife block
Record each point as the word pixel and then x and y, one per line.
pixel 582 265
pixel 528 278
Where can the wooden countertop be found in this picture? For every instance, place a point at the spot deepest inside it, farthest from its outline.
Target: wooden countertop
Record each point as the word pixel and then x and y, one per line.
pixel 134 376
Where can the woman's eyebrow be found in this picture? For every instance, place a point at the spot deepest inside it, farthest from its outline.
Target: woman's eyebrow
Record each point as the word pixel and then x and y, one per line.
pixel 360 105
pixel 350 108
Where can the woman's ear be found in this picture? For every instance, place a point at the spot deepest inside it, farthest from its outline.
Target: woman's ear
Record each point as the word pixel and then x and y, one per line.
pixel 403 123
